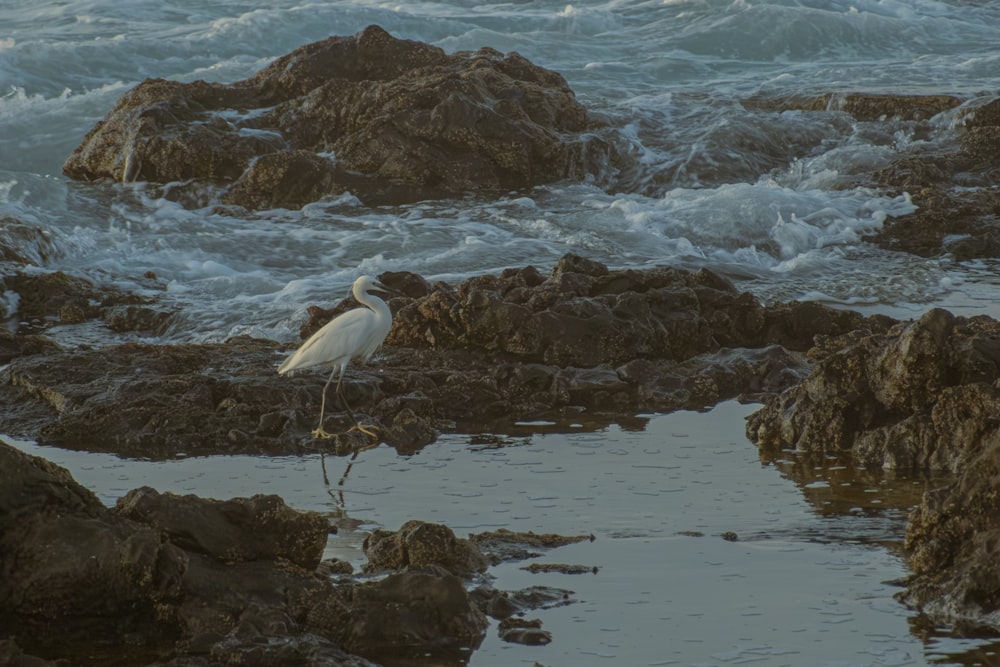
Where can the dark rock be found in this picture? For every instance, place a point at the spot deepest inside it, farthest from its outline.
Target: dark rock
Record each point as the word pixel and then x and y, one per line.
pixel 241 529
pixel 394 110
pixel 25 243
pixel 16 344
pixel 190 581
pixel 524 631
pixel 133 317
pixel 923 396
pixel 11 655
pixel 916 398
pixel 288 179
pixel 418 544
pixel 505 545
pixel 487 353
pixel 953 539
pixel 419 612
pixel 504 604
pixel 863 106
pixel 69 570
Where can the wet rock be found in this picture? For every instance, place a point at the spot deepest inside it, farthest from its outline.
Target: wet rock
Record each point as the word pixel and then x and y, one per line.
pixel 241 529
pixel 863 106
pixel 420 544
pixel 392 110
pixel 17 344
pixel 524 631
pixel 504 604
pixel 962 221
pixel 23 243
pixel 69 569
pixel 495 349
pixel 952 539
pixel 919 397
pixel 11 655
pixel 505 545
pixel 950 179
pixel 190 581
pixel 419 612
pixel 561 568
pixel 923 396
pixel 132 317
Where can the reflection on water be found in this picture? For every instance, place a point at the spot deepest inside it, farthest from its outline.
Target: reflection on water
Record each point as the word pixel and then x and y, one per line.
pixel 805 582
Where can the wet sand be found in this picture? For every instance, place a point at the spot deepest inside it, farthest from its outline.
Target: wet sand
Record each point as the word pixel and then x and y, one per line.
pixel 805 582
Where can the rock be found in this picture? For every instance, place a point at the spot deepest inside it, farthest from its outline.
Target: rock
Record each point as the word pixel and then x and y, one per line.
pixel 11 655
pixel 922 396
pixel 524 631
pixel 504 604
pixel 395 111
pixel 98 572
pixel 196 582
pixel 863 106
pixel 241 529
pixel 505 545
pixel 418 544
pixel 519 345
pixel 919 397
pixel 952 539
pixel 420 612
pixel 23 243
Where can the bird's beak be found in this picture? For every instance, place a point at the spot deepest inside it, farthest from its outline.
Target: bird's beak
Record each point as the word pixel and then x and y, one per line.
pixel 381 287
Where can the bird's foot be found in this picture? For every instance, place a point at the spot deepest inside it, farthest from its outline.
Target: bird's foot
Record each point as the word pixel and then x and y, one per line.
pixel 320 434
pixel 370 431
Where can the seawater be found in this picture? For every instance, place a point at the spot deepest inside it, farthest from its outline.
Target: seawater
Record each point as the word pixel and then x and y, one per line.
pixel 765 198
pixel 806 582
pixel 769 200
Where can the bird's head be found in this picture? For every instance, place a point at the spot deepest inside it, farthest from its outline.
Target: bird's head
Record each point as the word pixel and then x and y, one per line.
pixel 367 284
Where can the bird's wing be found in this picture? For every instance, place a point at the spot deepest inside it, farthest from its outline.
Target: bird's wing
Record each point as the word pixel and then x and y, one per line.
pixel 336 342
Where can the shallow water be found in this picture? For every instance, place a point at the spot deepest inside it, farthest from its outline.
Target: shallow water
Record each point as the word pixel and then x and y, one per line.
pixel 805 583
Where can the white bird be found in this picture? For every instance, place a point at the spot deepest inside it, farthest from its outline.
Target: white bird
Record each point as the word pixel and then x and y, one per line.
pixel 355 334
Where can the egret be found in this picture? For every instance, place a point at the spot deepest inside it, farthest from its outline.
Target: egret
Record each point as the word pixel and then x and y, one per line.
pixel 355 334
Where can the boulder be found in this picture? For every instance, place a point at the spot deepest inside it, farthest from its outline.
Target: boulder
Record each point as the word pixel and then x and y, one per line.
pixel 420 612
pixel 918 397
pixel 240 529
pixel 419 544
pixel 392 110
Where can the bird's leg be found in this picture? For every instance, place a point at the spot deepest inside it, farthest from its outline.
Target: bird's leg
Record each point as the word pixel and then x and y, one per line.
pixel 319 432
pixel 367 430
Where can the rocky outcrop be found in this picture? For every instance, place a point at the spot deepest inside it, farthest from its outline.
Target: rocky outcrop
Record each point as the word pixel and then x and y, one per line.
pixel 918 397
pixel 923 396
pixel 493 350
pixel 953 539
pixel 395 111
pixel 183 580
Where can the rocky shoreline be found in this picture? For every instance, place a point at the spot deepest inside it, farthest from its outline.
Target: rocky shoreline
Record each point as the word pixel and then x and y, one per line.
pixel 188 581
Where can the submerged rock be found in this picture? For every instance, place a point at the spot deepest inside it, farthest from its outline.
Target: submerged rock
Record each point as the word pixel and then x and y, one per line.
pixel 395 111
